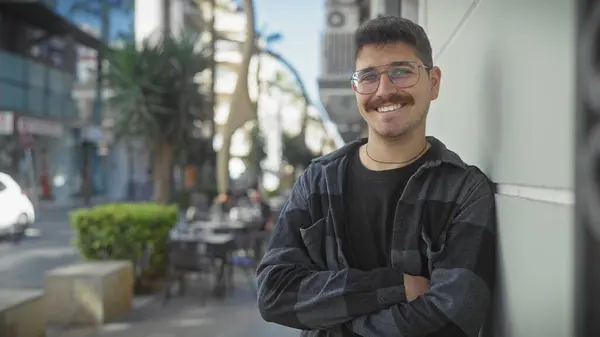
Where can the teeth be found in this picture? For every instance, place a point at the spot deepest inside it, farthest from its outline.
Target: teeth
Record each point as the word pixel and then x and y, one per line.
pixel 388 108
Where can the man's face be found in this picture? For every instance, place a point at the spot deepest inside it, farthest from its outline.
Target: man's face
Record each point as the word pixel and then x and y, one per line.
pixel 393 109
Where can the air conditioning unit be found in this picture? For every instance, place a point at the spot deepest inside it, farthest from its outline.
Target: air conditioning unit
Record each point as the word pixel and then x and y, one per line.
pixel 342 15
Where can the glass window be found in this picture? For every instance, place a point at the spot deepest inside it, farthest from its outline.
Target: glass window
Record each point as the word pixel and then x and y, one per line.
pixel 12 96
pixel 13 67
pixel 68 80
pixel 55 81
pixel 57 52
pixel 37 43
pixel 37 74
pixel 55 105
pixel 69 109
pixel 36 101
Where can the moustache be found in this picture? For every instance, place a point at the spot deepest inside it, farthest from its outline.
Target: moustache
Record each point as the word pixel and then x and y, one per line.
pixel 398 98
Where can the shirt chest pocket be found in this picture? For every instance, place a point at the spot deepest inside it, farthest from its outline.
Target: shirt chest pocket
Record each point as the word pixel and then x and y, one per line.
pixel 320 241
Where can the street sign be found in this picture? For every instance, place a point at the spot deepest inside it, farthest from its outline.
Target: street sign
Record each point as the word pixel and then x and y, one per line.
pixel 37 126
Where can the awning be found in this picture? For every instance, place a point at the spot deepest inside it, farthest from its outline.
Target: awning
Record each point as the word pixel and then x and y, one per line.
pixel 37 14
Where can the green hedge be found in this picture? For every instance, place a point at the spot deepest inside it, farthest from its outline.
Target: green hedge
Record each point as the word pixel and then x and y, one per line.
pixel 124 231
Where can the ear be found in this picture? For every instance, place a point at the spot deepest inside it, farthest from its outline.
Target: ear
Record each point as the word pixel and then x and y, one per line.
pixel 435 78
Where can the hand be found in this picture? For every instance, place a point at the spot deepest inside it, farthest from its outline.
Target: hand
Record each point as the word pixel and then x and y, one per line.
pixel 415 286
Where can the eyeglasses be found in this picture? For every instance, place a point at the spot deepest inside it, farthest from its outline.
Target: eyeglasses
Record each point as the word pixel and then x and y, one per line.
pixel 403 74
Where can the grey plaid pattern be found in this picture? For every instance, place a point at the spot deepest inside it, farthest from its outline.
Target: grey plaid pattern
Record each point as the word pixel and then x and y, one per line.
pixel 447 213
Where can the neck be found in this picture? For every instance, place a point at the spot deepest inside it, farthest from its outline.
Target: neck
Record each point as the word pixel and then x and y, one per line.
pixel 396 153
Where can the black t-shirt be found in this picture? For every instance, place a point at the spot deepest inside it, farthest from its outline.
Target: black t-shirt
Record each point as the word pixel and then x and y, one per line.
pixel 370 199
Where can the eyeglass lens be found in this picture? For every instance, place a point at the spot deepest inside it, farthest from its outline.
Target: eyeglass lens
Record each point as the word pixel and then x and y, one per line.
pixel 403 76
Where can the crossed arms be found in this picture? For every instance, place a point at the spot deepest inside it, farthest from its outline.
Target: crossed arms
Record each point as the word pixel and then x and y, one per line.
pixel 295 292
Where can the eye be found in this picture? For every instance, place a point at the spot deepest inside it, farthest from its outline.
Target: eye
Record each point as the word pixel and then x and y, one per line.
pixel 401 72
pixel 369 77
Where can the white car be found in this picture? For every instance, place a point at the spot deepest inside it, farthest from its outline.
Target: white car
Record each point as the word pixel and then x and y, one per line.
pixel 16 210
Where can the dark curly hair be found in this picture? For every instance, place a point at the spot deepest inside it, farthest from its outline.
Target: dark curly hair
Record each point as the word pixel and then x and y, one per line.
pixel 391 29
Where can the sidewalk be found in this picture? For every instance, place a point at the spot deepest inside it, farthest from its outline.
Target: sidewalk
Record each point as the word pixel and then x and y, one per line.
pixel 186 316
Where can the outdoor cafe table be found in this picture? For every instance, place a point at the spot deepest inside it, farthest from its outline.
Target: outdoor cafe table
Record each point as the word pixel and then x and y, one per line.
pixel 226 225
pixel 211 245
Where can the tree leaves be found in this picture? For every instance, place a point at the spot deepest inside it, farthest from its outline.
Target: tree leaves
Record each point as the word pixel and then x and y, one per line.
pixel 154 88
pixel 295 151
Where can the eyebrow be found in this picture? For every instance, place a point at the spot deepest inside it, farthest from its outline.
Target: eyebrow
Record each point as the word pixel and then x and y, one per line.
pixel 393 64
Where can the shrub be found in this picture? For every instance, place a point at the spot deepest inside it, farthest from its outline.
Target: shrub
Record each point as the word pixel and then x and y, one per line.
pixel 124 232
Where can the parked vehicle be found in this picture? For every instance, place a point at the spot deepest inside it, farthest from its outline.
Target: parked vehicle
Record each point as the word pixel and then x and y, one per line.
pixel 16 210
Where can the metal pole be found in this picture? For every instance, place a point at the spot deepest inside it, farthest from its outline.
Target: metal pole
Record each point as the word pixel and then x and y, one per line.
pixel 166 17
pixel 213 79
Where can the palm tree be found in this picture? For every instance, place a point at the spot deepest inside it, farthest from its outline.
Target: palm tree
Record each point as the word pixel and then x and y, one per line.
pixel 156 93
pixel 295 151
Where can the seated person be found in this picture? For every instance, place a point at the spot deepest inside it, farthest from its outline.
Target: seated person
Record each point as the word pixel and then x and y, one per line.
pixel 265 210
pixel 223 203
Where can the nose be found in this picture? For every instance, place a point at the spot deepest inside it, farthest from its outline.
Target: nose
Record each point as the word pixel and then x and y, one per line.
pixel 386 87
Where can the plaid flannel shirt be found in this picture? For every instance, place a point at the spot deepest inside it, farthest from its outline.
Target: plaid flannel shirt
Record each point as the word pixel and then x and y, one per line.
pixel 446 213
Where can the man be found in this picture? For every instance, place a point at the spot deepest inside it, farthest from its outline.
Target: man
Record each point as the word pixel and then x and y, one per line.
pixel 266 219
pixel 390 236
pixel 265 210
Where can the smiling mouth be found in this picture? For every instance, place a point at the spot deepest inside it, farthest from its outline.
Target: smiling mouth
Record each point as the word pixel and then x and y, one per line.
pixel 390 108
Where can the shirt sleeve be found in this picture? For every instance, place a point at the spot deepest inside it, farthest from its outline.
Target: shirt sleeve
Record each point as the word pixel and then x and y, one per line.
pixel 461 282
pixel 295 292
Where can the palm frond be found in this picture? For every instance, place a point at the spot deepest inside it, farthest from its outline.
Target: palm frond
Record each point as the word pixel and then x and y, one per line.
pixel 154 87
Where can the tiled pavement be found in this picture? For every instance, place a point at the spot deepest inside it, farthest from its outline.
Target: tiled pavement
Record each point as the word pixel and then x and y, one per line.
pixel 187 316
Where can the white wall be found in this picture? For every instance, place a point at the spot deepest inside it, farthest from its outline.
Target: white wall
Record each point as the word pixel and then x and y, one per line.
pixel 149 20
pixel 507 105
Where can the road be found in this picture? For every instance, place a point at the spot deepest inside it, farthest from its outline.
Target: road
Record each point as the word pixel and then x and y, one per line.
pixel 23 265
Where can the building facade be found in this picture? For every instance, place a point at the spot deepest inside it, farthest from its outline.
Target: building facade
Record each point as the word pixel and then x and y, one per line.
pixel 38 62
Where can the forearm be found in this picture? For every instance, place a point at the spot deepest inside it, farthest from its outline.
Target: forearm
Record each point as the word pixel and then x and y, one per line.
pixel 420 318
pixel 303 298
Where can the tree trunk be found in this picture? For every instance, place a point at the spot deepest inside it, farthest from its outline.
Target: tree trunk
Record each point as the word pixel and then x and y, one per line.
pixel 223 157
pixel 241 108
pixel 163 172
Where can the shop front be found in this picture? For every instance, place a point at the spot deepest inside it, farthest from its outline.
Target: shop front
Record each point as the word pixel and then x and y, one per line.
pixel 44 157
